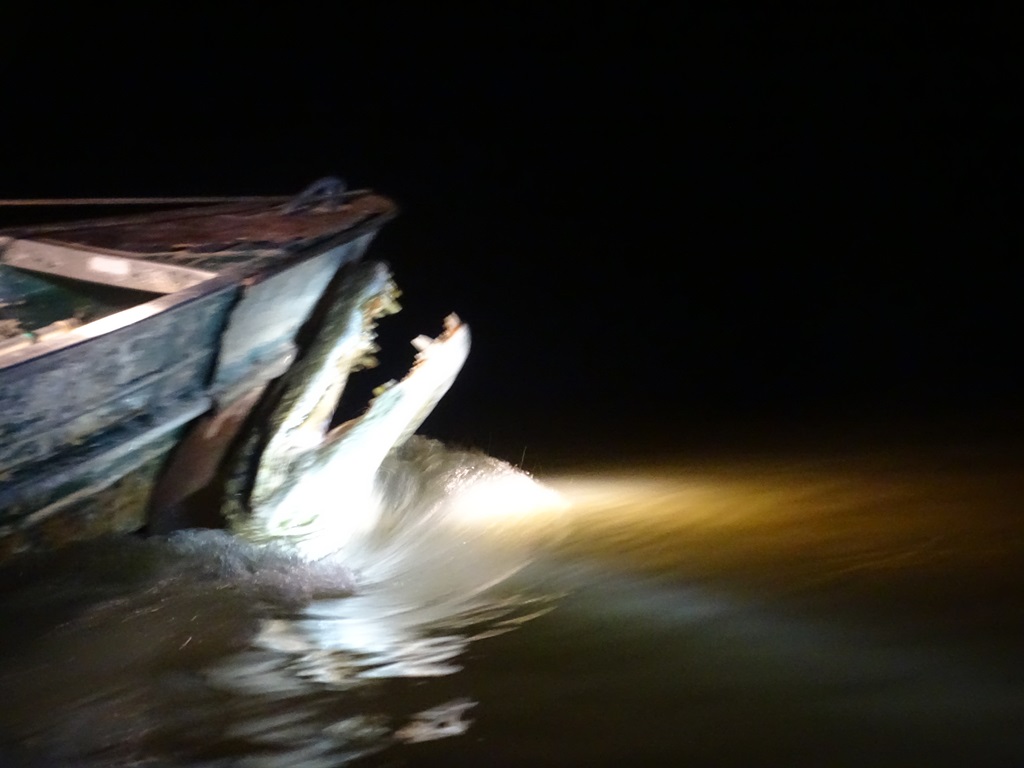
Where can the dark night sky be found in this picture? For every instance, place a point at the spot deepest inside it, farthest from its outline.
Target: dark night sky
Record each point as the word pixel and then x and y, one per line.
pixel 651 223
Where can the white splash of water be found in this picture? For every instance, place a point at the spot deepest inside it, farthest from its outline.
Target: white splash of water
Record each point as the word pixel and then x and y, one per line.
pixel 453 527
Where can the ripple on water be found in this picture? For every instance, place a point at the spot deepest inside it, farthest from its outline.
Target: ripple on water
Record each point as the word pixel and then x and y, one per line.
pixel 202 649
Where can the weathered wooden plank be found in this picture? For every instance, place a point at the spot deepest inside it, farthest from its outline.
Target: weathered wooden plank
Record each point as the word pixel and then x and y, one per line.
pixel 54 402
pixel 82 264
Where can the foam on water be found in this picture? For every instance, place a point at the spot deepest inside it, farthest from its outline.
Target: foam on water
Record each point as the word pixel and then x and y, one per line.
pixel 201 644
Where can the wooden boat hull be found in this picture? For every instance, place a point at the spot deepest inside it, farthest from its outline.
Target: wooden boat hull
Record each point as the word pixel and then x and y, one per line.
pixel 90 415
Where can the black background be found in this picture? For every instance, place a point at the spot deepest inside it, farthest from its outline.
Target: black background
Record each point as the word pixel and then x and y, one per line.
pixel 656 223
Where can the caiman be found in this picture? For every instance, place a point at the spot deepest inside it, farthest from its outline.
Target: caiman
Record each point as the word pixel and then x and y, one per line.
pixel 290 465
pixel 153 365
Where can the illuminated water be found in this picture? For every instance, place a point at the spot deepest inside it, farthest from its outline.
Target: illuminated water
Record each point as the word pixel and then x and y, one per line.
pixel 842 609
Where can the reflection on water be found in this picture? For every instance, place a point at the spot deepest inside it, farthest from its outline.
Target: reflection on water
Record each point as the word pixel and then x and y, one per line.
pixel 840 610
pixel 202 649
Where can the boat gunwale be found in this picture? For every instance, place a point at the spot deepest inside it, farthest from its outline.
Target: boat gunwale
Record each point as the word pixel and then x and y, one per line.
pixel 233 277
pixel 190 211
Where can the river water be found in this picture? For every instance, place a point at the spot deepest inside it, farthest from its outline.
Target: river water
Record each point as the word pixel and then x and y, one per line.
pixel 850 607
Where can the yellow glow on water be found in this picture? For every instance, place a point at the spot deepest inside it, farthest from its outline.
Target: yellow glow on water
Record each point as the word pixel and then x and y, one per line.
pixel 792 523
pixel 509 497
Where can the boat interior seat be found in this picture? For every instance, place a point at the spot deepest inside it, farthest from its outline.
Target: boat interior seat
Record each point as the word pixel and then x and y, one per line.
pixel 77 263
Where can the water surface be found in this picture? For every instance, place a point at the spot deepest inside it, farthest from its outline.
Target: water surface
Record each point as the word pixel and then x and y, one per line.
pixel 842 608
